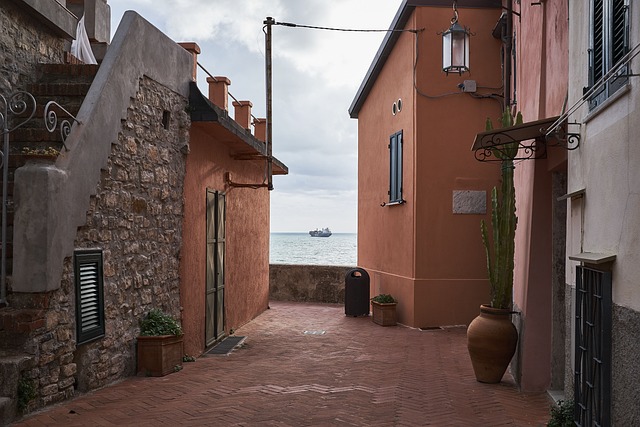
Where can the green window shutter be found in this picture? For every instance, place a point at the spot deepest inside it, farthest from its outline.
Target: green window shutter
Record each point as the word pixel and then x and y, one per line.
pixel 90 323
pixel 395 168
pixel 619 33
pixel 609 44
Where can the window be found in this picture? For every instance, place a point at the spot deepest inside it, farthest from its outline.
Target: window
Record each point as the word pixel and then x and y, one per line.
pixel 89 295
pixel 395 168
pixel 609 43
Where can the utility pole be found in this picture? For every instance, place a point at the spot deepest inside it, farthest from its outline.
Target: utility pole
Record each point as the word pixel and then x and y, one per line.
pixel 269 22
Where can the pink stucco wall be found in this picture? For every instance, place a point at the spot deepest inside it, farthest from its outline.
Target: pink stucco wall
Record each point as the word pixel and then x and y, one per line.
pixel 542 65
pixel 247 238
pixel 431 259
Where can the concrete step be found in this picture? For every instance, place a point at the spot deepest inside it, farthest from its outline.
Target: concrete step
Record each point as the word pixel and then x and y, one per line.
pixel 11 367
pixel 59 89
pixel 7 410
pixel 64 72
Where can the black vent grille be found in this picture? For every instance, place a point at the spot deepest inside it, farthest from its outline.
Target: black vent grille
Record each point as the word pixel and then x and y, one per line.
pixel 89 295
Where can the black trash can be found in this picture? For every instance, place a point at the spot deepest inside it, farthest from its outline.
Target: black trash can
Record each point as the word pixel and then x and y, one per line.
pixel 356 293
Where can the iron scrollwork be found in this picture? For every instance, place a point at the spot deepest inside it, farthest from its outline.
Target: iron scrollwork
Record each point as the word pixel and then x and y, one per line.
pixel 20 105
pixel 16 105
pixel 563 137
pixel 533 148
pixel 51 121
pixel 498 141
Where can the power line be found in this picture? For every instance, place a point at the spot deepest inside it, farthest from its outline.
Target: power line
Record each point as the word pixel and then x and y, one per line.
pixel 313 27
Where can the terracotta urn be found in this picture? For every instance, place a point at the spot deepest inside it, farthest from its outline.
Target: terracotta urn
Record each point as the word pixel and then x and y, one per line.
pixel 491 340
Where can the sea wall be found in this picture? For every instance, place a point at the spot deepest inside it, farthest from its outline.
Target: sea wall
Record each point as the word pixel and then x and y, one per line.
pixel 307 283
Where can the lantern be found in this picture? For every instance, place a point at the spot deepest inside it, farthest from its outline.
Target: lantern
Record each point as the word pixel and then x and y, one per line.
pixel 455 46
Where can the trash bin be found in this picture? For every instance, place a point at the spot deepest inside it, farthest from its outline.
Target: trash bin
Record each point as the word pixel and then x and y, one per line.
pixel 356 293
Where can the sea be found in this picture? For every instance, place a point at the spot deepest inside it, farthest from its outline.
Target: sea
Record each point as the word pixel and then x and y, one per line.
pixel 301 248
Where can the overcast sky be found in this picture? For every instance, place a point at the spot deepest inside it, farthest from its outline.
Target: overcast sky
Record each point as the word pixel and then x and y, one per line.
pixel 315 77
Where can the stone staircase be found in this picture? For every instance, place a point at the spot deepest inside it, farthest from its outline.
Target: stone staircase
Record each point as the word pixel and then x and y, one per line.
pixel 66 84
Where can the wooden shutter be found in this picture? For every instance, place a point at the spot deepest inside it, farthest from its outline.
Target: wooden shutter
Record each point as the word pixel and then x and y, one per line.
pixel 395 167
pixel 598 62
pixel 89 296
pixel 619 34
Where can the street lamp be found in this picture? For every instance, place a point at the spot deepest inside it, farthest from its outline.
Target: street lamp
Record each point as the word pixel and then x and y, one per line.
pixel 455 46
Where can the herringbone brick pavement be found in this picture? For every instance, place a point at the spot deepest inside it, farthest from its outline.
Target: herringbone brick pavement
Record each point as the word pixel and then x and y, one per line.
pixel 355 374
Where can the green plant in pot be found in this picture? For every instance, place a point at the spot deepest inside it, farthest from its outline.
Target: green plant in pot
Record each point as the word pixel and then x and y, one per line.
pixel 384 310
pixel 159 344
pixel 158 323
pixel 492 337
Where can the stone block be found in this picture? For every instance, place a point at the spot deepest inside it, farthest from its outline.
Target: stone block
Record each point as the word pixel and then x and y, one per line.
pixel 469 202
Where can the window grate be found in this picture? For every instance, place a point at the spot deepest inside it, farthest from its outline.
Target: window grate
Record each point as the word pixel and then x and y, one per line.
pixel 90 323
pixel 592 386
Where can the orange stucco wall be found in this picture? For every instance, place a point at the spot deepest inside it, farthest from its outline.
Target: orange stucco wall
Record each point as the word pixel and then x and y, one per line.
pixel 431 259
pixel 542 86
pixel 247 239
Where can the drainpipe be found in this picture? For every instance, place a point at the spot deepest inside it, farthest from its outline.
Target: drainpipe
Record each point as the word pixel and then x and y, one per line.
pixel 507 41
pixel 5 178
pixel 269 137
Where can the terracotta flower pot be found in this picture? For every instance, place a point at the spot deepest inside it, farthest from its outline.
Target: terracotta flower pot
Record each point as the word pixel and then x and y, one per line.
pixel 159 355
pixel 491 340
pixel 384 313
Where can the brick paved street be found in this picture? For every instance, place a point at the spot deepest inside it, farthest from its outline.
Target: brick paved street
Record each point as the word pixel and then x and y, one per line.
pixel 355 374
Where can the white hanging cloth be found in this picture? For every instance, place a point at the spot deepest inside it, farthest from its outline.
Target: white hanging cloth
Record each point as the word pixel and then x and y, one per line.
pixel 81 47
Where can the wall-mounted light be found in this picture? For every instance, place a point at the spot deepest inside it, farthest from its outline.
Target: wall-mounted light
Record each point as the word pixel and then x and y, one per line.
pixel 455 46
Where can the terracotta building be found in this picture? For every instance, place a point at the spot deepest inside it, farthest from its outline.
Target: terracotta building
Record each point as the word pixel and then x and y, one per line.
pixel 421 195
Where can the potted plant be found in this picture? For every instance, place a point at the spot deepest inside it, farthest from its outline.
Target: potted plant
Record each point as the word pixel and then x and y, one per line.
pixel 159 344
pixel 492 337
pixel 39 155
pixel 384 310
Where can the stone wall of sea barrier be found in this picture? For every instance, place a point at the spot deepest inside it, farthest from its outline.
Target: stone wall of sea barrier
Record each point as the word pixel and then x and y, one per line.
pixel 307 283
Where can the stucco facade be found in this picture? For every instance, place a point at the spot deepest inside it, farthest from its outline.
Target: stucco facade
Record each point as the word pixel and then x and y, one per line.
pixel 577 210
pixel 210 164
pixel 605 219
pixel 541 81
pixel 427 251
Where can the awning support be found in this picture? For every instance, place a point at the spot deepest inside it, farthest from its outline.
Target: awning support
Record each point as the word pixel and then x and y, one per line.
pixel 532 137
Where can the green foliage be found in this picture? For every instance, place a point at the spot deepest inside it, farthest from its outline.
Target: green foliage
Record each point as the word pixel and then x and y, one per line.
pixel 500 249
pixel 562 414
pixel 383 299
pixel 158 323
pixel 26 393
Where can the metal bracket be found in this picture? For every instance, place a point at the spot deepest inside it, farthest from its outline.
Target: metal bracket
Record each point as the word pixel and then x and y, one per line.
pixel 229 183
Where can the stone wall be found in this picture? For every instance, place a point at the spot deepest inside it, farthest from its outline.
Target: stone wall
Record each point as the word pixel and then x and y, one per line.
pixel 625 350
pixel 24 43
pixel 136 219
pixel 307 283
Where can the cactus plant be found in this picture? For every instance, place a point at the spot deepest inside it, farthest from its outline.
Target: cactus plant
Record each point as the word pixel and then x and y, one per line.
pixel 500 250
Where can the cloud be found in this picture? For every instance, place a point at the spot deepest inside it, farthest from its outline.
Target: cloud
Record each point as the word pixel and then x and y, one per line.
pixel 316 75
